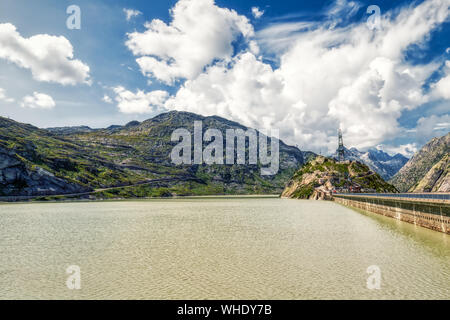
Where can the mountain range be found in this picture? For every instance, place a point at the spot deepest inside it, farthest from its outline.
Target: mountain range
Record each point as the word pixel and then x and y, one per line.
pixel 378 160
pixel 133 160
pixel 101 163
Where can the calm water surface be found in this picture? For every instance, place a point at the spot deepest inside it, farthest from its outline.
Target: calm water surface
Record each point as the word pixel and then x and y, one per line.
pixel 216 248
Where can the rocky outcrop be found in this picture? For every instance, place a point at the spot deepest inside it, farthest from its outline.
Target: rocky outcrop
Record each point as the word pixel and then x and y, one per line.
pixel 321 177
pixel 437 179
pixel 420 164
pixel 19 180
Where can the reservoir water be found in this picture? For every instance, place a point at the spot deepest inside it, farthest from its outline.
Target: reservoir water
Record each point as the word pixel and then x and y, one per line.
pixel 216 248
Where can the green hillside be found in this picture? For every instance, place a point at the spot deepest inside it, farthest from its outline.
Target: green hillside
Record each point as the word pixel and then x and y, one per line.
pixel 324 175
pixel 36 161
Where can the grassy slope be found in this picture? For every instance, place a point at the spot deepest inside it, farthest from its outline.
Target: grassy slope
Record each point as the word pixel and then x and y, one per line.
pixel 343 174
pixel 136 153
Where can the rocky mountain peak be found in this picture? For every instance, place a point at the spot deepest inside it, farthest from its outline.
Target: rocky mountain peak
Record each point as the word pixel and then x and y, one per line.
pixel 421 163
pixel 378 160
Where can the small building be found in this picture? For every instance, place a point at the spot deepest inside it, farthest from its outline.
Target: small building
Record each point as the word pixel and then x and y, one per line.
pixel 355 189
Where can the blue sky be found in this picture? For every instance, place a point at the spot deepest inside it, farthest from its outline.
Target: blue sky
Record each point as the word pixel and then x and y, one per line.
pixel 303 67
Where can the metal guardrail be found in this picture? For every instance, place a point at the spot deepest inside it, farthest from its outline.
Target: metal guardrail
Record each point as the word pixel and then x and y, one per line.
pixel 437 196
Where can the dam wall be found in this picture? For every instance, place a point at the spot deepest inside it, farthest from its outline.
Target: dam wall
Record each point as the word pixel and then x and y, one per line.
pixel 428 213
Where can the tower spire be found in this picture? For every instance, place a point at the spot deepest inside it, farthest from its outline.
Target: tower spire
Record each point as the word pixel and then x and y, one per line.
pixel 340 150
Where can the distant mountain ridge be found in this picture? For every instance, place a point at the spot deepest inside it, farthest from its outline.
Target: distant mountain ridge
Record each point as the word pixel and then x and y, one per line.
pixel 378 160
pixel 70 130
pixel 85 129
pixel 410 177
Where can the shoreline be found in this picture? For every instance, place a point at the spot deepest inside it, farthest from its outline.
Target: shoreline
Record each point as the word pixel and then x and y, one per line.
pixel 206 197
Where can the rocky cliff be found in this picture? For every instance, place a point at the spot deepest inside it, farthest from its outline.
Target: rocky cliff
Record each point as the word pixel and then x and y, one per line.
pixel 437 179
pixel 408 178
pixel 17 177
pixel 322 176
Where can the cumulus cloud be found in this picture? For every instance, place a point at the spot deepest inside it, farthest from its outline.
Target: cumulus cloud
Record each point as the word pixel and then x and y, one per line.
pixel 131 13
pixel 107 99
pixel 432 126
pixel 408 149
pixel 200 32
pixel 38 101
pixel 50 58
pixel 441 89
pixel 4 97
pixel 369 107
pixel 327 76
pixel 139 101
pixel 248 91
pixel 257 13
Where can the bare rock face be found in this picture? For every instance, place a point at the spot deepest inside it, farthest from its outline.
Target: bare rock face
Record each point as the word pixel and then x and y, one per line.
pixel 409 177
pixel 18 180
pixel 445 185
pixel 437 179
pixel 7 161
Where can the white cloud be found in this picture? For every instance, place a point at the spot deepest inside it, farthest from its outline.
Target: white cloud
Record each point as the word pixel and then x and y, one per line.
pixel 248 92
pixel 139 102
pixel 369 107
pixel 50 58
pixel 4 97
pixel 432 126
pixel 408 150
pixel 327 76
pixel 441 89
pixel 257 13
pixel 131 13
pixel 443 125
pixel 200 32
pixel 38 101
pixel 277 38
pixel 340 11
pixel 107 99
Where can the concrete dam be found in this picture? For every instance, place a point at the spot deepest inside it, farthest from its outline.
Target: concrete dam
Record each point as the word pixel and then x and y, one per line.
pixel 431 211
